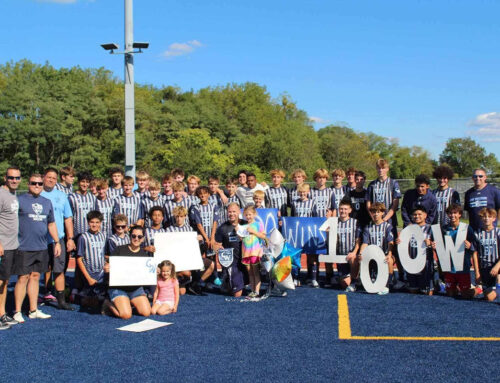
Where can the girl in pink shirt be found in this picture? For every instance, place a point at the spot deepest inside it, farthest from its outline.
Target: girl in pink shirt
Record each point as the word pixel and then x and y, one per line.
pixel 166 297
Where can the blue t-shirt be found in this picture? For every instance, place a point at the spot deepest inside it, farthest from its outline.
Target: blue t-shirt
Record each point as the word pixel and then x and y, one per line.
pixel 62 209
pixel 35 213
pixel 475 200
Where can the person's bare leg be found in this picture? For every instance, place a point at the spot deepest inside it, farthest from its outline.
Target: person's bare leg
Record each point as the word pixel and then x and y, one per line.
pixel 46 282
pixel 3 296
pixel 256 278
pixel 20 291
pixel 142 305
pixel 121 308
pixel 165 309
pixel 33 290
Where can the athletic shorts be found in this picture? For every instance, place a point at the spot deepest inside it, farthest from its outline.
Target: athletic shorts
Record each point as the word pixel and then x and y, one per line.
pixel 253 260
pixel 452 280
pixel 7 264
pixel 58 264
pixel 115 293
pixel 489 282
pixel 27 262
pixel 344 270
pixel 234 276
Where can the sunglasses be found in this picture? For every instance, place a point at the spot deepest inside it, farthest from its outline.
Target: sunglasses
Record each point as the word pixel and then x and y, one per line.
pixel 36 183
pixel 136 236
pixel 13 178
pixel 120 226
pixel 477 176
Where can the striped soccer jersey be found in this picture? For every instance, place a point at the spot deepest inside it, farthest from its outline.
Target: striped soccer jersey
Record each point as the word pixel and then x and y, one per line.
pixel 143 194
pixel 66 189
pixel 146 205
pixel 223 212
pixel 81 204
pixel 114 241
pixel 348 232
pixel 337 195
pixel 206 215
pixel 149 236
pixel 304 208
pixel 130 206
pixel 176 229
pixel 277 198
pixel 383 191
pixel 487 245
pixel 444 199
pixel 193 199
pixel 379 235
pixel 166 197
pixel 169 209
pixel 293 195
pixel 105 207
pixel 91 249
pixel 113 193
pixel 323 200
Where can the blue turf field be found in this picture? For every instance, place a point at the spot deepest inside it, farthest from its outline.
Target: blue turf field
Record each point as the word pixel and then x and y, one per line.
pixel 292 339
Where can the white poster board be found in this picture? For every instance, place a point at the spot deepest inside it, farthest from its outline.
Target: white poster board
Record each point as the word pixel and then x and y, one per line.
pixel 180 248
pixel 412 235
pixel 373 252
pixel 132 271
pixel 332 257
pixel 145 325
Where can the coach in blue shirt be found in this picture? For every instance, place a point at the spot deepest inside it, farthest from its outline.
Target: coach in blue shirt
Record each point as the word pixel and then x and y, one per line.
pixel 478 197
pixel 420 196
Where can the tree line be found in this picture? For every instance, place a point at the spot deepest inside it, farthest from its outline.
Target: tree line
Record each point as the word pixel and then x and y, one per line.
pixel 75 116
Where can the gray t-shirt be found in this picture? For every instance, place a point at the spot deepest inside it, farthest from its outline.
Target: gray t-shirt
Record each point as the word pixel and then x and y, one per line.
pixel 9 223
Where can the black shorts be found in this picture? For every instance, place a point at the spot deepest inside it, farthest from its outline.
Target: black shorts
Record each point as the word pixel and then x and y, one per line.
pixel 489 282
pixel 234 276
pixel 7 264
pixel 27 262
pixel 344 270
pixel 58 264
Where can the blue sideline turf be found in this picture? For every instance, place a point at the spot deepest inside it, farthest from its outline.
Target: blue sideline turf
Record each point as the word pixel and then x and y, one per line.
pixel 293 339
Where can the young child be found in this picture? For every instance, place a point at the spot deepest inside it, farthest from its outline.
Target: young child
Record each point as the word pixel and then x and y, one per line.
pixel 155 216
pixel 231 186
pixel 458 281
pixel 67 175
pixel 422 281
pixel 104 205
pixel 420 196
pixel 299 177
pixel 142 190
pixel 350 175
pixel 252 249
pixel 128 203
pixel 338 190
pixel 379 233
pixel 348 243
pixel 444 194
pixel 166 183
pixel 120 237
pixel 193 183
pixel 204 217
pixel 166 297
pixel 178 200
pixel 277 195
pixel 90 260
pixel 258 199
pixel 487 254
pixel 147 202
pixel 358 200
pixel 81 202
pixel 305 207
pixel 116 175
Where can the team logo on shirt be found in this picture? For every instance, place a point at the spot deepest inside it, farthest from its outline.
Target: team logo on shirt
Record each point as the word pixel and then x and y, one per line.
pixel 38 209
pixel 14 206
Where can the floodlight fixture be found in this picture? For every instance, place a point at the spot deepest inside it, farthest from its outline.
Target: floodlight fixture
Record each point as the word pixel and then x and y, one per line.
pixel 110 47
pixel 140 45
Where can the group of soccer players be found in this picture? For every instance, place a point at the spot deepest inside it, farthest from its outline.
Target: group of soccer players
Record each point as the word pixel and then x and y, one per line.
pixel 94 220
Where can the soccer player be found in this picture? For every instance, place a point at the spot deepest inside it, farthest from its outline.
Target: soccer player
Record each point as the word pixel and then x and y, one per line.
pixel 277 195
pixel 481 195
pixel 116 189
pixel 231 186
pixel 445 195
pixel 63 217
pixel 348 243
pixel 154 199
pixel 120 237
pixel 90 260
pixel 104 204
pixel 246 193
pixel 420 196
pixel 358 200
pixel 9 227
pixel 487 254
pixel 178 175
pixel 379 233
pixel 142 178
pixel 338 190
pixel 217 196
pixel 321 194
pixel 166 183
pixel 178 200
pixel 67 175
pixel 128 203
pixel 350 175
pixel 258 199
pixel 298 177
pixel 36 221
pixel 156 226
pixel 193 182
pixel 81 202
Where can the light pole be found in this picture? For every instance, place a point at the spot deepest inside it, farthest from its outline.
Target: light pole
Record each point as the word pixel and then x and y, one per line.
pixel 129 85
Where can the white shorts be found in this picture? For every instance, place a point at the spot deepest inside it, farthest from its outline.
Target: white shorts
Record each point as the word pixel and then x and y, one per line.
pixel 170 303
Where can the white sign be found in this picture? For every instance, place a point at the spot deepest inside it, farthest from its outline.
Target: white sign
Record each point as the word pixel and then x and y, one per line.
pixel 448 251
pixel 373 252
pixel 180 248
pixel 332 257
pixel 413 236
pixel 132 271
pixel 145 325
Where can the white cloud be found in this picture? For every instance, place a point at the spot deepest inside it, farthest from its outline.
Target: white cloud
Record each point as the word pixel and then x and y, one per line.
pixel 317 120
pixel 181 49
pixel 486 126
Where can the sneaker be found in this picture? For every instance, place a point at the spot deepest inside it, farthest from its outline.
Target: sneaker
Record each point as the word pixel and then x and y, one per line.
pixel 253 294
pixel 398 285
pixel 217 282
pixel 49 298
pixel 314 283
pixel 351 288
pixel 4 326
pixel 5 319
pixel 384 291
pixel 18 317
pixel 38 314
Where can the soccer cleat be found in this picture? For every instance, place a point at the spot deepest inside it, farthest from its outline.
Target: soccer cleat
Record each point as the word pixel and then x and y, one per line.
pixel 5 319
pixel 38 314
pixel 351 288
pixel 18 317
pixel 217 282
pixel 314 283
pixel 384 291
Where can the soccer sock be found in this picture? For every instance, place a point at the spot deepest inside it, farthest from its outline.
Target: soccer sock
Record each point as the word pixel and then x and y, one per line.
pixel 314 272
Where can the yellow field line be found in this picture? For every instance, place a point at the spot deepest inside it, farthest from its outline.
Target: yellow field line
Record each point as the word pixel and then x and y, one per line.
pixel 345 329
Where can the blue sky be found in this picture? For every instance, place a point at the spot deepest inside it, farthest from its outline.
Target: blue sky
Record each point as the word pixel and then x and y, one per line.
pixel 420 71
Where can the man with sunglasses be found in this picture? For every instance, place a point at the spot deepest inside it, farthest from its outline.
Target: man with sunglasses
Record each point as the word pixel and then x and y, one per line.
pixel 478 197
pixel 9 243
pixel 36 222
